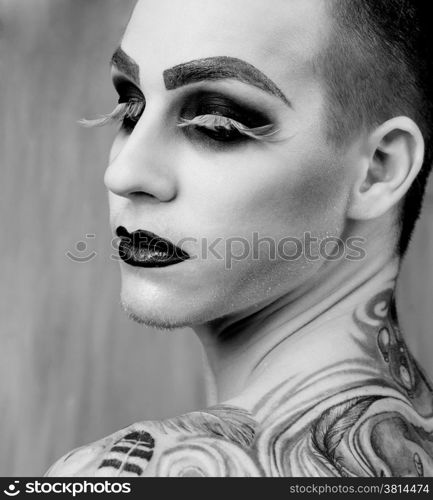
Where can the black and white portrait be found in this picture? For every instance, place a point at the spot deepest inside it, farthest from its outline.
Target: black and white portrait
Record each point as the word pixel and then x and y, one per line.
pixel 217 254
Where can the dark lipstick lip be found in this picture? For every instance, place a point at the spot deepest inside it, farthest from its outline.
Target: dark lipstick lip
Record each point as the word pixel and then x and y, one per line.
pixel 145 249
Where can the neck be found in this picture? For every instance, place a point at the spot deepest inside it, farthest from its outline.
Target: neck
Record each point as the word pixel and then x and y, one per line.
pixel 299 334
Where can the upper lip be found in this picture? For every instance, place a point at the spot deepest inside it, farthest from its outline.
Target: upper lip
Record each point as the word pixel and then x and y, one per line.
pixel 151 240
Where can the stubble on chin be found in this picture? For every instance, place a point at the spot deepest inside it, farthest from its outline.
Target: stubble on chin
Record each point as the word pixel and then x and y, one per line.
pixel 158 323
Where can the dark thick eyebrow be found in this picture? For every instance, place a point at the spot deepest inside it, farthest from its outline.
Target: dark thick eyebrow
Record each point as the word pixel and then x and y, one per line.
pixel 126 65
pixel 220 68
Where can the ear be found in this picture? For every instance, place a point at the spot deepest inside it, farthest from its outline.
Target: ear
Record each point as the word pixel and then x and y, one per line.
pixel 395 156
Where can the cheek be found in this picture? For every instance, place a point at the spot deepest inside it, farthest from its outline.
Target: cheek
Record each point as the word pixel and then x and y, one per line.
pixel 275 196
pixel 312 197
pixel 294 198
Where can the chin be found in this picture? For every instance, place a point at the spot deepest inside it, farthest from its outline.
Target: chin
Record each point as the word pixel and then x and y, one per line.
pixel 153 321
pixel 163 309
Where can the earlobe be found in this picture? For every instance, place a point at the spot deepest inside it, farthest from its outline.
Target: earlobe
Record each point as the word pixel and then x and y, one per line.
pixel 396 154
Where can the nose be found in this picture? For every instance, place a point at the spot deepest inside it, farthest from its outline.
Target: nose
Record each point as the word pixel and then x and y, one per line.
pixel 141 166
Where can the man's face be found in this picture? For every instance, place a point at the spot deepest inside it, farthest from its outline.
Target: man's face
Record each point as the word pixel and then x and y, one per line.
pixel 201 188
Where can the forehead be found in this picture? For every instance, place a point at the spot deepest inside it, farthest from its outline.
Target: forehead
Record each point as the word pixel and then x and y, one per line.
pixel 280 37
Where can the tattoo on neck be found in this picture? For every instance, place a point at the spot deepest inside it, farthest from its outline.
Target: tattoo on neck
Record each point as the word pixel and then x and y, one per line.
pixel 376 425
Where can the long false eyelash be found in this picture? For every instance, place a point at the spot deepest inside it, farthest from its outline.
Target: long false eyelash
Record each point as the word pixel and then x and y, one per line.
pixel 134 108
pixel 217 122
pixel 131 110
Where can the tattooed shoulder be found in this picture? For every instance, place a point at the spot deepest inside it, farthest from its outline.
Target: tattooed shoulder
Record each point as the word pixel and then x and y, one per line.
pixel 212 443
pixel 362 436
pixel 380 425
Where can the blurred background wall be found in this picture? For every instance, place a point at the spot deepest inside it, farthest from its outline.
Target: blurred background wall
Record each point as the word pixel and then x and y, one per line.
pixel 73 368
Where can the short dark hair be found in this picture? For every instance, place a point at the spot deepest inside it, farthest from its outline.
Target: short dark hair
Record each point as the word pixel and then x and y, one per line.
pixel 379 65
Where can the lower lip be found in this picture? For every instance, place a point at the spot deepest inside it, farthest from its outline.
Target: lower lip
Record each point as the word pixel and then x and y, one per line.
pixel 147 257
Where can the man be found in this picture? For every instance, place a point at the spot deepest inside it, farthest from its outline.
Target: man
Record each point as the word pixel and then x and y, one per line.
pixel 263 129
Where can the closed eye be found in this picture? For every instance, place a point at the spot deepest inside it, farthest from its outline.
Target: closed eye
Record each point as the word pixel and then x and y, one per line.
pixel 222 128
pixel 212 124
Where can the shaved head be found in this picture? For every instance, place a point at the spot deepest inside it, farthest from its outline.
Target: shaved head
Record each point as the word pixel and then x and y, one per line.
pixel 378 65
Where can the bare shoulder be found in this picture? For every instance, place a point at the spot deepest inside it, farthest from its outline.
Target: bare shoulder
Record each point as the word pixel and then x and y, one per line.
pixel 213 442
pixel 364 432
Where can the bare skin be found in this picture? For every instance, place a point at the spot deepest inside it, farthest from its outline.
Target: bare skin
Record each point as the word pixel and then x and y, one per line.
pixel 309 374
pixel 357 405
